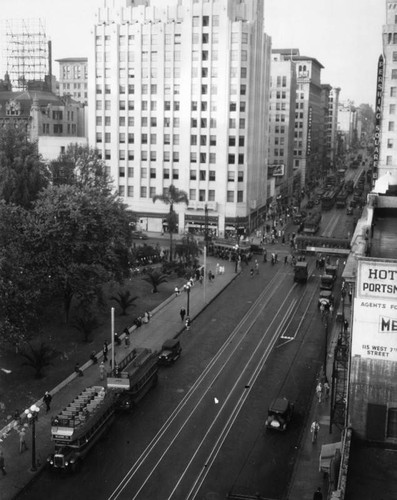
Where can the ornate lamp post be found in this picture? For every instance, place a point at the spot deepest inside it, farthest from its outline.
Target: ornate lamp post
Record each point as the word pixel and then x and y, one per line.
pixel 32 415
pixel 187 290
pixel 325 323
pixel 236 247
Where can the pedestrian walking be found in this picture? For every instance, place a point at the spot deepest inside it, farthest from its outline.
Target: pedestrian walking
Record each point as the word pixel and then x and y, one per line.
pixel 350 295
pixel 105 351
pixel 345 325
pixel 252 272
pixel 102 370
pixel 317 494
pixel 47 398
pixel 319 391
pixel 182 313
pixel 22 440
pixel 256 267
pixel 265 255
pixel 326 390
pixel 2 463
pixel 127 338
pixel 286 259
pixel 314 428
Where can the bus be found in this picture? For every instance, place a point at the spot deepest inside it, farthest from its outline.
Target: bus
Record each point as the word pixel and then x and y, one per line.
pixel 328 199
pixel 321 244
pixel 312 224
pixel 229 249
pixel 341 199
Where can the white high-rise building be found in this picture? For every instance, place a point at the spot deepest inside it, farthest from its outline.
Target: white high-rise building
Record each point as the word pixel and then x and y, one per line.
pixel 179 95
pixel 386 98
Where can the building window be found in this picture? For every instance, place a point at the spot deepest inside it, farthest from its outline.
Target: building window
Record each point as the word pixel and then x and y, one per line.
pixel 391 127
pixel 166 173
pixel 152 173
pixel 175 174
pixel 394 74
pixel 240 196
pixel 108 155
pixel 389 143
pixel 212 140
pixel 211 195
pixel 241 159
pixel 201 195
pixel 121 190
pixel 193 175
pixel 121 172
pixel 167 156
pixel 122 137
pixel 130 172
pixel 130 191
pixel 121 154
pixel 230 176
pixel 389 160
pixel 193 157
pixel 203 175
pixel 212 158
pixel 211 175
pixel 230 196
pixel 58 128
pixel 192 194
pixel 143 192
pixel 392 109
pixel 393 91
pixel 175 157
pixel 144 155
pixel 130 138
pixel 231 159
pixel 232 140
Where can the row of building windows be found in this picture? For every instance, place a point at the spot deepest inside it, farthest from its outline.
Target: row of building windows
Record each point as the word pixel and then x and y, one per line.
pixel 200 195
pixel 58 128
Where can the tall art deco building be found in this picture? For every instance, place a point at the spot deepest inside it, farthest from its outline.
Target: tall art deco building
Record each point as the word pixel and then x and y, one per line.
pixel 179 95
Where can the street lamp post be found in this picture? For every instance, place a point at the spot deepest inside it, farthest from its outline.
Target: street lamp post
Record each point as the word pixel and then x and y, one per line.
pixel 236 247
pixel 187 288
pixel 325 323
pixel 32 415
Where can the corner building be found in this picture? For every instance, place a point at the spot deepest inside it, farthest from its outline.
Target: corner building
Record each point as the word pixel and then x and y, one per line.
pixel 179 95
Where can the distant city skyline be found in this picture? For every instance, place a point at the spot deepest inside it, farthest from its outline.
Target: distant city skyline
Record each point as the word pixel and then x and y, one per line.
pixel 345 36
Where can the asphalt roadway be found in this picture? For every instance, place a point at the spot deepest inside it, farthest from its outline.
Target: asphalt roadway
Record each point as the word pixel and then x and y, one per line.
pixel 165 323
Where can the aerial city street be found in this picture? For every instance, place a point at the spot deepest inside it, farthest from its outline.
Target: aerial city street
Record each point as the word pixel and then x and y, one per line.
pixel 197 250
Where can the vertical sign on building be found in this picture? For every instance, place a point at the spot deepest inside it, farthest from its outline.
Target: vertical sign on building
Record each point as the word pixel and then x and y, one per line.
pixel 309 131
pixel 378 116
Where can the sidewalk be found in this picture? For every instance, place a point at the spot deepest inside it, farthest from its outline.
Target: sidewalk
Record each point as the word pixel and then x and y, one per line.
pixel 164 324
pixel 307 476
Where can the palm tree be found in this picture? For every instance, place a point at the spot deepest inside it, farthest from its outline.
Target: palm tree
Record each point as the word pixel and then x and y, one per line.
pixel 171 197
pixel 155 279
pixel 38 358
pixel 124 300
pixel 86 322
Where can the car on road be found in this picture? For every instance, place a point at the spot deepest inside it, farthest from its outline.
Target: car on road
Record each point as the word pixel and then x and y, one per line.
pixel 326 299
pixel 170 352
pixel 279 414
pixel 138 235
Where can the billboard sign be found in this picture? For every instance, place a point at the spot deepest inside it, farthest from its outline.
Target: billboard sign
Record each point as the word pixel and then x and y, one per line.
pixel 375 311
pixel 277 170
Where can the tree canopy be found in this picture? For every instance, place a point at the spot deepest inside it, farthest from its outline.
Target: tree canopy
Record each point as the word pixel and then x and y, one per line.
pixel 23 174
pixel 80 166
pixel 80 239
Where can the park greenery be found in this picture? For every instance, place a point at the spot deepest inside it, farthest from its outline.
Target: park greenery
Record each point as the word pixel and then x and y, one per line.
pixel 64 234
pixel 65 237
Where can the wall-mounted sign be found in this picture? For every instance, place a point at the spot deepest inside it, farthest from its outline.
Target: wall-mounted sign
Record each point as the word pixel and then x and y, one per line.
pixel 377 280
pixel 375 311
pixel 277 170
pixel 378 115
pixel 309 131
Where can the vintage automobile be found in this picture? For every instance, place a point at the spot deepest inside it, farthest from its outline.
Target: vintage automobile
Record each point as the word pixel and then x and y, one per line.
pixel 279 414
pixel 138 235
pixel 325 298
pixel 170 352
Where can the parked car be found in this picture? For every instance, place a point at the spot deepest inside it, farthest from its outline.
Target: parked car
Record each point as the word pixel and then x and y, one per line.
pixel 279 414
pixel 170 352
pixel 325 298
pixel 138 235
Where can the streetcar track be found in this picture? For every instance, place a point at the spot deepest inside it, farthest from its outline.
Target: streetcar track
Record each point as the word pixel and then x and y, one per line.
pixel 273 286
